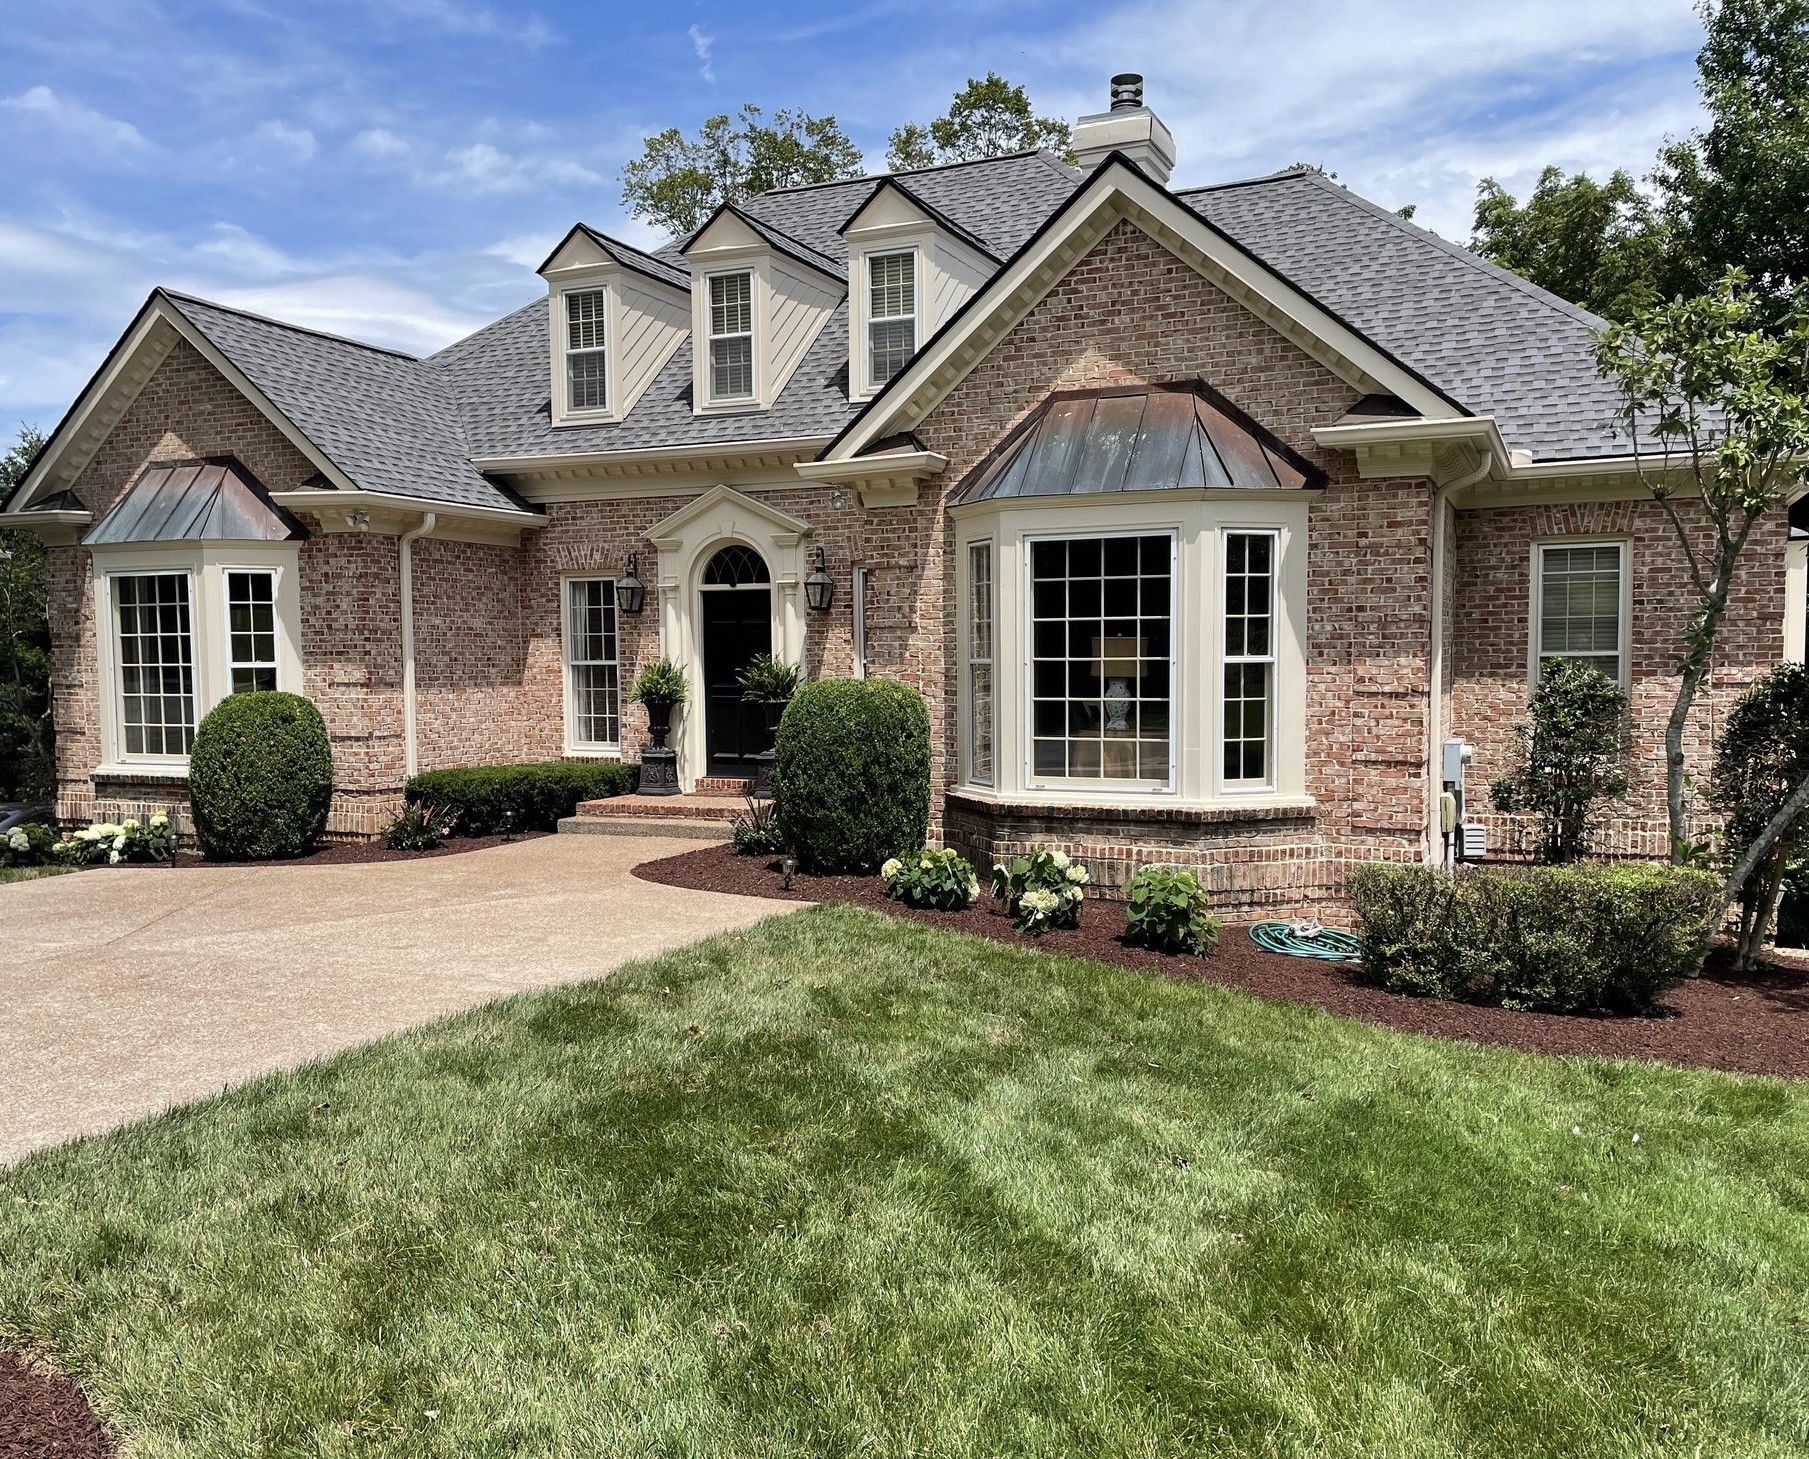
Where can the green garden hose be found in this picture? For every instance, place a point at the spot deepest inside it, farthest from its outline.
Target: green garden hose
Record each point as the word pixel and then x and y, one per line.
pixel 1306 939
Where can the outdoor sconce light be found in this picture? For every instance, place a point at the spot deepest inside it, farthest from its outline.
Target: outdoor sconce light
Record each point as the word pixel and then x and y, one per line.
pixel 631 594
pixel 819 587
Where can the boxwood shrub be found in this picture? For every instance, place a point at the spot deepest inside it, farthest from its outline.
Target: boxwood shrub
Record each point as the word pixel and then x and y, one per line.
pixel 1569 939
pixel 260 777
pixel 851 773
pixel 486 800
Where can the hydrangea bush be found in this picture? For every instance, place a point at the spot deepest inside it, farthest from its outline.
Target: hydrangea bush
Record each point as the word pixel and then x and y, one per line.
pixel 943 880
pixel 1168 911
pixel 28 845
pixel 1042 891
pixel 107 844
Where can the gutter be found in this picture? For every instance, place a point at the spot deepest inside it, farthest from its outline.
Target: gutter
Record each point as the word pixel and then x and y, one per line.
pixel 1435 669
pixel 405 563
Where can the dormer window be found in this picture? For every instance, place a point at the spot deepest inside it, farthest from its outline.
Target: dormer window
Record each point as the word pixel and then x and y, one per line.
pixel 891 313
pixel 586 359
pixel 732 336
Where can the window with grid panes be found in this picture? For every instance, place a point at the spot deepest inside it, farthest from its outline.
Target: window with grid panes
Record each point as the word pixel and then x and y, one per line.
pixel 251 631
pixel 731 336
pixel 1249 657
pixel 1102 614
pixel 592 667
pixel 979 663
pixel 1580 605
pixel 155 645
pixel 891 314
pixel 585 357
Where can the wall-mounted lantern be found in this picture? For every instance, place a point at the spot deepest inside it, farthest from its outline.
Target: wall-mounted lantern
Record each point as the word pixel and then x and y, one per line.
pixel 819 587
pixel 631 594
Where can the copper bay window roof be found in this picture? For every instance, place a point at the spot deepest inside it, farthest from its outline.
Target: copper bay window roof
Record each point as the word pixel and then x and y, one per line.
pixel 1178 437
pixel 217 500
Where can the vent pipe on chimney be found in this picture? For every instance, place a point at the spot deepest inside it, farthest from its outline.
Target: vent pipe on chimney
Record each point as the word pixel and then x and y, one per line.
pixel 1129 127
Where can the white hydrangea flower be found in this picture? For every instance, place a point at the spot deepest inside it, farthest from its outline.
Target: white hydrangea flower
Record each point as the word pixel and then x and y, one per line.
pixel 1078 875
pixel 92 833
pixel 119 843
pixel 1059 859
pixel 128 825
pixel 113 858
pixel 891 868
pixel 159 821
pixel 18 840
pixel 1040 902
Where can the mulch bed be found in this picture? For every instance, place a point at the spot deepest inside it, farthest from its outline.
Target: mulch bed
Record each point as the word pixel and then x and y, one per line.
pixel 44 1416
pixel 347 853
pixel 1749 1023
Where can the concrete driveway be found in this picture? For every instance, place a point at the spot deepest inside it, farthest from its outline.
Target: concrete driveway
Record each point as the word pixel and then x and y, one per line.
pixel 125 991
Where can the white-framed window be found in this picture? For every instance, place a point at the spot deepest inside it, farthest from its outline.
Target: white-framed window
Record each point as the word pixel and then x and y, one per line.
pixel 732 336
pixel 1247 700
pixel 979 663
pixel 860 623
pixel 1580 605
pixel 154 651
pixel 1101 659
pixel 250 630
pixel 891 313
pixel 592 665
pixel 586 350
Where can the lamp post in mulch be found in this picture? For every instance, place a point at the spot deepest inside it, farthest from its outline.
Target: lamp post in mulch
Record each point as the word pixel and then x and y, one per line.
pixel 658 687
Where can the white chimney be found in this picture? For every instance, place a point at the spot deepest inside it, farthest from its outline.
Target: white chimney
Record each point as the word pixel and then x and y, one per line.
pixel 1129 127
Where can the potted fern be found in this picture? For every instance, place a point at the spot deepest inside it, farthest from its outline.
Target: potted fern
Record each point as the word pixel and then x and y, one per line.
pixel 769 682
pixel 658 687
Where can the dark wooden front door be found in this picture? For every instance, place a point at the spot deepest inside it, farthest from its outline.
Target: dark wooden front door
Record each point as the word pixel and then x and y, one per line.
pixel 737 624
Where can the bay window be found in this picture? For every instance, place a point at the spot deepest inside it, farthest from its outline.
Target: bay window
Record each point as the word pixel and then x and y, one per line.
pixel 592 673
pixel 251 630
pixel 155 648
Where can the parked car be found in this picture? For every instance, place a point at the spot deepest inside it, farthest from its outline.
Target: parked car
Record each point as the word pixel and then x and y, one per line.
pixel 24 815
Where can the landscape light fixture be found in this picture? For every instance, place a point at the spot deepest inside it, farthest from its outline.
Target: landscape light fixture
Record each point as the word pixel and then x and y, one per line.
pixel 819 587
pixel 631 593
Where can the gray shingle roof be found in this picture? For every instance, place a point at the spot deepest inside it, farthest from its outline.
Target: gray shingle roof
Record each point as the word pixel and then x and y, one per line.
pixel 651 264
pixel 1489 339
pixel 779 240
pixel 386 419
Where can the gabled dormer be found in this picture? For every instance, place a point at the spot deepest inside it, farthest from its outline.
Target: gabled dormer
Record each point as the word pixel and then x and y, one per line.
pixel 910 267
pixel 758 300
pixel 615 315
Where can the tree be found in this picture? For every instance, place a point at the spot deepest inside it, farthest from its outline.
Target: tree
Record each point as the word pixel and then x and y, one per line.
pixel 26 768
pixel 988 118
pixel 678 181
pixel 1573 754
pixel 1763 752
pixel 1737 193
pixel 1600 245
pixel 1711 401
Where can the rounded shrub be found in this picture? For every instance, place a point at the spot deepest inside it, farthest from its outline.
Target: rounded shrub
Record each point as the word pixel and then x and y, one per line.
pixel 260 777
pixel 851 773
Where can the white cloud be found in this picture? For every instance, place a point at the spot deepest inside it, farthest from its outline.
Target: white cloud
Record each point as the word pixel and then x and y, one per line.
pixel 295 143
pixel 525 250
pixel 79 123
pixel 485 168
pixel 362 306
pixel 453 18
pixel 246 254
pixel 701 44
pixel 379 143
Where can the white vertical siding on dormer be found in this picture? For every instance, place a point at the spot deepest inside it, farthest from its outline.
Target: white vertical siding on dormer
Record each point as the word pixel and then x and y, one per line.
pixel 959 274
pixel 799 305
pixel 652 324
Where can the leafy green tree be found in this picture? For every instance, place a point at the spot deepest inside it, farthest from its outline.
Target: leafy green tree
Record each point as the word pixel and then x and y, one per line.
pixel 1717 407
pixel 1601 245
pixel 1573 756
pixel 678 181
pixel 1737 193
pixel 989 117
pixel 1761 755
pixel 26 768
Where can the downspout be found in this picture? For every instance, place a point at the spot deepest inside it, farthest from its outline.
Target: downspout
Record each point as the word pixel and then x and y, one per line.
pixel 1435 708
pixel 411 758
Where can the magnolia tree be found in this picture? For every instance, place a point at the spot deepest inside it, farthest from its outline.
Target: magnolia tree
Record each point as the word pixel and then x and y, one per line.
pixel 1717 410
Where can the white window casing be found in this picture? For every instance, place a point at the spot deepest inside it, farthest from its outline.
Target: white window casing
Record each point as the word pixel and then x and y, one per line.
pixel 167 655
pixel 586 315
pixel 892 313
pixel 730 363
pixel 1247 702
pixel 981 720
pixel 1581 605
pixel 860 622
pixel 1796 600
pixel 1196 532
pixel 592 653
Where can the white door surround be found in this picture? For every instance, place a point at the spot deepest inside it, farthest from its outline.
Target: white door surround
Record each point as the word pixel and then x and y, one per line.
pixel 686 542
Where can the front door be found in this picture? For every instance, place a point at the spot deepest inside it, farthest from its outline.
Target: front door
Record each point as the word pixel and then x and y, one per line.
pixel 737 612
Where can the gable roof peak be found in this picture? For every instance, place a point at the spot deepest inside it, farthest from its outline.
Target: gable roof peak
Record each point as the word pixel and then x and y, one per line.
pixel 178 298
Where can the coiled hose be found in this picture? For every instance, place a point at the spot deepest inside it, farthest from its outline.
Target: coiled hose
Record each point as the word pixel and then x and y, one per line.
pixel 1307 939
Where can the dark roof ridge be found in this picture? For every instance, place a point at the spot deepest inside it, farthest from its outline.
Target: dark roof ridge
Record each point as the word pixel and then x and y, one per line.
pixel 804 187
pixel 805 254
pixel 1260 178
pixel 434 358
pixel 942 219
pixel 1458 251
pixel 286 324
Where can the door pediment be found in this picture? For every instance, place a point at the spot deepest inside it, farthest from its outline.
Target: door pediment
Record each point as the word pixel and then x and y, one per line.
pixel 726 512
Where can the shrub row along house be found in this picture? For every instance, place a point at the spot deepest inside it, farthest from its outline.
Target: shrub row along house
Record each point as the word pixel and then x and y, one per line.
pixel 1201 518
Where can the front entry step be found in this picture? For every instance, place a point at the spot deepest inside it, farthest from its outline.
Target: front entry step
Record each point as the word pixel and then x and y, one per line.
pixel 676 828
pixel 695 817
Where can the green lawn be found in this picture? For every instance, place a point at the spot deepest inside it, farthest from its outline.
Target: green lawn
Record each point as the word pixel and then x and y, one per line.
pixel 30 873
pixel 843 1185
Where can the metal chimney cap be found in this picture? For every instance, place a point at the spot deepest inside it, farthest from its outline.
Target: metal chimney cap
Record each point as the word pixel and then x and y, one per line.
pixel 1127 91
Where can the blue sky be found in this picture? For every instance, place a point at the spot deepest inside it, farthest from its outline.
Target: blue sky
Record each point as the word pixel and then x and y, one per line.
pixel 394 169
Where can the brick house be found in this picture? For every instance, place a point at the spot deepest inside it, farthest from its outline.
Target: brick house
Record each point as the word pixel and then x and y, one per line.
pixel 1201 519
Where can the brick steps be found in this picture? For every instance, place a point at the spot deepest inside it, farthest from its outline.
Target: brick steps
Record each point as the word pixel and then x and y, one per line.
pixel 700 817
pixel 676 828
